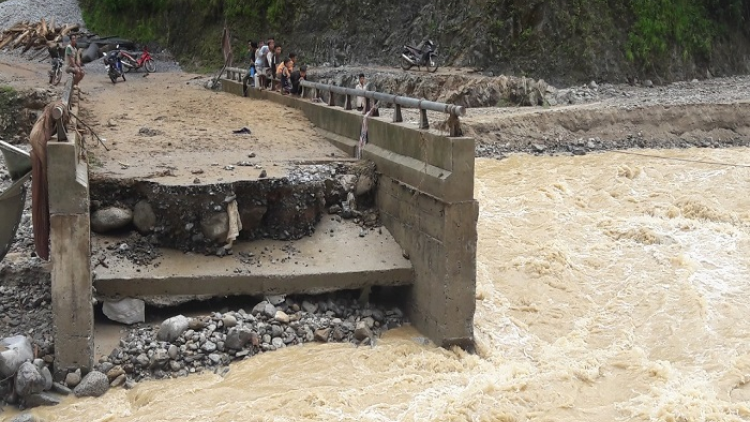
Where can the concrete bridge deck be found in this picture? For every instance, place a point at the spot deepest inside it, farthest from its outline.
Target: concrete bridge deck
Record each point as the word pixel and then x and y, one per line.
pixel 175 131
pixel 335 257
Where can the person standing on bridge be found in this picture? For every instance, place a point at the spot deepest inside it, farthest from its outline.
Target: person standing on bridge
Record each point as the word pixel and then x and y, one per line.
pixel 261 64
pixel 361 86
pixel 296 77
pixel 252 48
pixel 275 61
pixel 73 61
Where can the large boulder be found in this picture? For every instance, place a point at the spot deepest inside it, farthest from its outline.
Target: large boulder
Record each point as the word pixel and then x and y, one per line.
pixel 215 227
pixel 13 352
pixel 41 399
pixel 172 328
pixel 111 218
pixel 29 380
pixel 94 384
pixel 144 218
pixel 126 311
pixel 46 374
pixel 91 54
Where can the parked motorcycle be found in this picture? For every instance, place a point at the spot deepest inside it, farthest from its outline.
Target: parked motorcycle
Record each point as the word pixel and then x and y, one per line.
pixel 420 57
pixel 113 65
pixel 141 60
pixel 56 53
pixel 55 75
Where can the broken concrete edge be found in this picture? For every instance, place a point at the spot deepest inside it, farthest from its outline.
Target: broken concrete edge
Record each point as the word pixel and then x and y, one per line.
pixel 426 199
pixel 70 247
pixel 198 218
pixel 250 285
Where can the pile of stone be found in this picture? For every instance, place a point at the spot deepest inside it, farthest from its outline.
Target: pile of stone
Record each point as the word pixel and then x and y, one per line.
pixel 27 382
pixel 182 345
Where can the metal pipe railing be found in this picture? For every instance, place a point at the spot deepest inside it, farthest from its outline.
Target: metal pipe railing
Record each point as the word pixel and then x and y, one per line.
pixel 453 111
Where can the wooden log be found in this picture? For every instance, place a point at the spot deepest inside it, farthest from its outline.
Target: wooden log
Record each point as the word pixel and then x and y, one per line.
pixel 20 38
pixel 5 41
pixel 51 25
pixel 29 43
pixel 43 29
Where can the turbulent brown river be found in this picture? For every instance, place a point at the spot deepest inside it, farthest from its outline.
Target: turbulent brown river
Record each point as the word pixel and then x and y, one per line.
pixel 611 287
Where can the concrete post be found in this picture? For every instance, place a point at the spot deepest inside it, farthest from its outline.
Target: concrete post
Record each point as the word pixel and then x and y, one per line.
pixel 70 250
pixel 397 116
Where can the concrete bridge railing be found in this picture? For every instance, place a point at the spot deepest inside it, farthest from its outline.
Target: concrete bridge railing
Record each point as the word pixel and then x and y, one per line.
pixel 425 197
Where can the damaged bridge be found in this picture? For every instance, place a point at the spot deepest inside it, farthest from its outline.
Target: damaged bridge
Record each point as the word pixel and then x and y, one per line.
pixel 350 201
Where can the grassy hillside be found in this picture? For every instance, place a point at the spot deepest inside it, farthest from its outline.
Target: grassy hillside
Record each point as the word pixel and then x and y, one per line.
pixel 560 40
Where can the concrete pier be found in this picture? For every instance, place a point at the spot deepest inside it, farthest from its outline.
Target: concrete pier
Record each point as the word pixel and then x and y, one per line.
pixel 70 246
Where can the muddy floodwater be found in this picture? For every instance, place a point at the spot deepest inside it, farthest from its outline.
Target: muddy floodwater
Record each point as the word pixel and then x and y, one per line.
pixel 610 287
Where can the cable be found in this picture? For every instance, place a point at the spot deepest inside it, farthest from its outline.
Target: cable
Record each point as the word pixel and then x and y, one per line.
pixel 90 130
pixel 715 163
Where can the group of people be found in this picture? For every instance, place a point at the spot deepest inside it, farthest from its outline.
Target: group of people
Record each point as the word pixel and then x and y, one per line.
pixel 270 70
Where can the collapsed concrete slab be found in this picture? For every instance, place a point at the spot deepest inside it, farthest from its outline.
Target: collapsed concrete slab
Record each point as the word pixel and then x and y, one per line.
pixel 340 255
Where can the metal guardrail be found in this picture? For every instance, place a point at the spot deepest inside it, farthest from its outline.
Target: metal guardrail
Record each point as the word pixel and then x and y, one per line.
pixel 454 111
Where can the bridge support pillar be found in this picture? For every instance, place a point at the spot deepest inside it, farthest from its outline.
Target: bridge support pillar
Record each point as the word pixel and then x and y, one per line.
pixel 70 251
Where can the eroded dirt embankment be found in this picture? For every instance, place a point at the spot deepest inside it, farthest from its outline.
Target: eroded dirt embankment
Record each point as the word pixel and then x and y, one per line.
pixel 712 113
pixel 587 128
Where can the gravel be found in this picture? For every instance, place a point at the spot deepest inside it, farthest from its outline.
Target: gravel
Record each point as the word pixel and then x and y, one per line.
pixel 63 11
pixel 211 344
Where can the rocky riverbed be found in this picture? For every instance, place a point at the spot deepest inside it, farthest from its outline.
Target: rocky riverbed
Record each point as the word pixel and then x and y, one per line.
pixel 181 345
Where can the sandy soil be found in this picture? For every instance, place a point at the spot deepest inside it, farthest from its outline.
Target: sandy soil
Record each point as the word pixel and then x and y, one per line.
pixel 168 126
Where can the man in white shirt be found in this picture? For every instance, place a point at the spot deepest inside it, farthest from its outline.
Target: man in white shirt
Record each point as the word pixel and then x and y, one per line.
pixel 261 63
pixel 362 86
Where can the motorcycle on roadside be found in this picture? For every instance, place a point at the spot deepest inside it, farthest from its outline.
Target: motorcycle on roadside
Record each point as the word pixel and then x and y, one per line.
pixel 140 60
pixel 55 74
pixel 424 56
pixel 113 65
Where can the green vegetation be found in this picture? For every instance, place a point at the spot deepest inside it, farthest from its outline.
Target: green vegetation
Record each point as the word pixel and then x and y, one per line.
pixel 689 28
pixel 585 37
pixel 8 98
pixel 191 28
pixel 662 26
pixel 9 109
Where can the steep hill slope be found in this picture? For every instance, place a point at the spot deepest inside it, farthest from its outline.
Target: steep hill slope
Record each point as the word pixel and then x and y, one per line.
pixel 559 40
